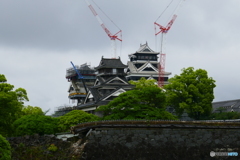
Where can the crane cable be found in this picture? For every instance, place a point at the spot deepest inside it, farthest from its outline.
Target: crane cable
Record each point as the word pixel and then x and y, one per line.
pixel 177 7
pixel 174 12
pixel 105 14
pixel 112 23
pixel 157 19
pixel 164 10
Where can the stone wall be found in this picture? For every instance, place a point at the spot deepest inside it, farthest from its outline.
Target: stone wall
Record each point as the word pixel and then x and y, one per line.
pixel 133 140
pixel 160 143
pixel 47 147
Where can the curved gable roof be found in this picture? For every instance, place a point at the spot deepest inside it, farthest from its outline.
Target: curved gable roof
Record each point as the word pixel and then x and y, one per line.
pixel 144 48
pixel 110 63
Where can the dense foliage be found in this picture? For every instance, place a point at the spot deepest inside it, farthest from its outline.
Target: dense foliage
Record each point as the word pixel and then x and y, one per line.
pixel 73 118
pixel 31 124
pixel 11 104
pixel 5 149
pixel 142 83
pixel 225 115
pixel 37 147
pixel 146 101
pixel 191 92
pixel 30 110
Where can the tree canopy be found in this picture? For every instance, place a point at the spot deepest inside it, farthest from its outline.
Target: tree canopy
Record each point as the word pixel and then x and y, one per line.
pixel 73 118
pixel 141 83
pixel 225 115
pixel 191 92
pixel 146 101
pixel 5 149
pixel 11 104
pixel 32 124
pixel 30 110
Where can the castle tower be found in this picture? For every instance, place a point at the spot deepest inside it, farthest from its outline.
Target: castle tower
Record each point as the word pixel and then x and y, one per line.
pixel 110 82
pixel 144 63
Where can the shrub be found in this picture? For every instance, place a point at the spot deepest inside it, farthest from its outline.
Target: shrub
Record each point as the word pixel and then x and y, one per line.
pixel 225 115
pixel 5 149
pixel 52 147
pixel 73 118
pixel 32 124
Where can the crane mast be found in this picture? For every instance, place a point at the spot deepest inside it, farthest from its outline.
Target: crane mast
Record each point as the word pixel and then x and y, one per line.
pixel 80 76
pixel 161 67
pixel 113 37
pixel 164 30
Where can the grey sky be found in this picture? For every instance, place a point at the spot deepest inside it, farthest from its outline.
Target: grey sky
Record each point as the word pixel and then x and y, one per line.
pixel 39 38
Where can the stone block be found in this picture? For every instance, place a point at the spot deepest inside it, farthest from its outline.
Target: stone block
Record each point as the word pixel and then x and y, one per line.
pixel 129 145
pixel 217 141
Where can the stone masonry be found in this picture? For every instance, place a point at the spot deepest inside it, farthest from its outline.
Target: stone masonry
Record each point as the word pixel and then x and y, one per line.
pixel 160 143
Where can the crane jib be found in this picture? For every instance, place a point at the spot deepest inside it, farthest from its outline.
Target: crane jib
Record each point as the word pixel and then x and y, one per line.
pixel 112 37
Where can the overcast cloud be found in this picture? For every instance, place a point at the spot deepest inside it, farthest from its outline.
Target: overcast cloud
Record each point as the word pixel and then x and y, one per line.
pixel 39 38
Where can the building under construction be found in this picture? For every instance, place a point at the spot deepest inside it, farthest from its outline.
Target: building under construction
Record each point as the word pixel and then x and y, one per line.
pixel 101 84
pixel 78 87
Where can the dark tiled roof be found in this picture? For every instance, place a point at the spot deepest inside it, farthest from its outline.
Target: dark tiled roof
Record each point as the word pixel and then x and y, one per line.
pixel 86 105
pixel 100 103
pixel 228 105
pixel 107 78
pixel 114 85
pixel 95 93
pixel 123 78
pixel 101 80
pixel 110 93
pixel 111 63
pixel 145 49
pixel 98 99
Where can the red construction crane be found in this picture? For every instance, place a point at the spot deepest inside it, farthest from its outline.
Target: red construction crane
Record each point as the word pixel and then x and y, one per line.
pixel 161 66
pixel 113 37
pixel 164 30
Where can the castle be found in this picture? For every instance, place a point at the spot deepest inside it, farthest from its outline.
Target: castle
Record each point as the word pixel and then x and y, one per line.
pixel 110 78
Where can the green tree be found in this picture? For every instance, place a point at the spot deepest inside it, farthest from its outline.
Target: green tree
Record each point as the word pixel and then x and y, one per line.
pixel 143 82
pixel 30 110
pixel 11 104
pixel 221 109
pixel 191 92
pixel 5 149
pixel 145 103
pixel 73 118
pixel 225 115
pixel 32 124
